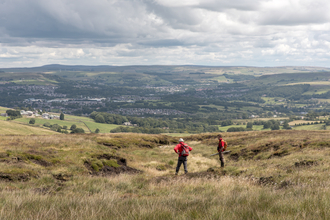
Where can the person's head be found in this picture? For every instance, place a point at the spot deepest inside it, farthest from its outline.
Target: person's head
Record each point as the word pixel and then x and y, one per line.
pixel 180 140
pixel 219 136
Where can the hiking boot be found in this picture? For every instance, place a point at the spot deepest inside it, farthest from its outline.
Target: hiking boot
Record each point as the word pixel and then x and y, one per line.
pixel 176 173
pixel 222 164
pixel 185 172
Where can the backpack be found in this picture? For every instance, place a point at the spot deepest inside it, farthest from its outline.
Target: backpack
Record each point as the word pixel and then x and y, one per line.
pixel 185 150
pixel 225 145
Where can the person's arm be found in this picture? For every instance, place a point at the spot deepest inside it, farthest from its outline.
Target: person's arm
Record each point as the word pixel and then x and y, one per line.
pixel 190 149
pixel 176 149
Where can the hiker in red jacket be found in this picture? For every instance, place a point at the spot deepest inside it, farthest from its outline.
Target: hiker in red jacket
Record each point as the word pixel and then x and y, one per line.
pixel 221 149
pixel 182 150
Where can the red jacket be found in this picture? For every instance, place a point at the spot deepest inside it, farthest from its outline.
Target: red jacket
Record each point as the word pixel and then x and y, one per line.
pixel 221 145
pixel 179 148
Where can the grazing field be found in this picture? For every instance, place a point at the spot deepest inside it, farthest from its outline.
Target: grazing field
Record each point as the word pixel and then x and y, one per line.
pixel 81 122
pixel 41 121
pixel 298 122
pixel 10 127
pixel 310 127
pixel 267 175
pixel 255 127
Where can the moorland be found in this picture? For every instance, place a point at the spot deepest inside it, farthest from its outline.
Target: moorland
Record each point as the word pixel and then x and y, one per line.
pixel 268 175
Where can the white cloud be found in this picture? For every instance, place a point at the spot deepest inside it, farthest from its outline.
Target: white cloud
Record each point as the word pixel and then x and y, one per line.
pixel 125 32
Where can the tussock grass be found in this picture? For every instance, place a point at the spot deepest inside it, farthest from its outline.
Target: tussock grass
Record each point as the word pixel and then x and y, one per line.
pixel 268 175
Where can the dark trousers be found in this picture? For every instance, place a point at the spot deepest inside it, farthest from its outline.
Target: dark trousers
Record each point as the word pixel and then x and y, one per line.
pixel 182 160
pixel 221 157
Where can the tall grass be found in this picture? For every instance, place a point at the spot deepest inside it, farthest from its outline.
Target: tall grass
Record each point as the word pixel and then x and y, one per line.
pixel 258 184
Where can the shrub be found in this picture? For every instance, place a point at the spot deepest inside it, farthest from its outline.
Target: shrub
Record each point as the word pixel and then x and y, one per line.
pixel 235 129
pixel 32 121
pixel 73 127
pixel 77 131
pixel 47 124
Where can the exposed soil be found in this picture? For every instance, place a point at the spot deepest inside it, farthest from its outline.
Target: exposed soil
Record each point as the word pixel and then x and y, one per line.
pixel 266 180
pixel 42 163
pixel 111 146
pixel 62 177
pixel 108 171
pixel 210 173
pixel 121 161
pixel 15 177
pixel 306 163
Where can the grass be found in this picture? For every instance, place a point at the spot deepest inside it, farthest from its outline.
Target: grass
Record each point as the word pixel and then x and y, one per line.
pixel 268 175
pixel 3 109
pixel 309 127
pixel 81 122
pixel 12 128
pixel 41 121
pixel 298 122
pixel 255 127
pixel 104 128
pixel 320 83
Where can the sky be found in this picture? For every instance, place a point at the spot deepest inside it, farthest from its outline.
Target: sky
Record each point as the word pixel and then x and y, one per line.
pixel 165 32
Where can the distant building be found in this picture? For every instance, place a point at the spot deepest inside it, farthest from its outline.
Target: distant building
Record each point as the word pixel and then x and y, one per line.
pixel 4 114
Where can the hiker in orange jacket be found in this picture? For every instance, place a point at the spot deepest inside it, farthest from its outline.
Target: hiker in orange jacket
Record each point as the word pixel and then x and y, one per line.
pixel 182 150
pixel 221 149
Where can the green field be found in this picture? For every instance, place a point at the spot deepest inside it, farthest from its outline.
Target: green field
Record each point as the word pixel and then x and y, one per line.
pixel 309 127
pixel 255 127
pixel 104 128
pixel 81 122
pixel 12 127
pixel 40 121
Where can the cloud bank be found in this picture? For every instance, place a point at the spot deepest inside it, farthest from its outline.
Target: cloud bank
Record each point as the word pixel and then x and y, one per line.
pixel 168 32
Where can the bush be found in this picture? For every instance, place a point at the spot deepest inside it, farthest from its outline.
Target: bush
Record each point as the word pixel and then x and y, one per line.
pixel 275 127
pixel 77 131
pixel 97 130
pixel 32 121
pixel 73 127
pixel 47 124
pixel 99 119
pixel 249 125
pixel 235 129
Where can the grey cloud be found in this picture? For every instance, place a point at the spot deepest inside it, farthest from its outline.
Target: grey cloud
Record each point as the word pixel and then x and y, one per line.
pixel 127 32
pixel 241 5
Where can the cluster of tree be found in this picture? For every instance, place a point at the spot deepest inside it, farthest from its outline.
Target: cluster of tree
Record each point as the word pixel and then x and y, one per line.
pixel 237 129
pixel 107 118
pixel 13 114
pixel 166 125
pixel 63 129
pixel 226 123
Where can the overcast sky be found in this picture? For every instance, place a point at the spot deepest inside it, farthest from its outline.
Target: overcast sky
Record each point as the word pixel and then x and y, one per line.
pixel 165 32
